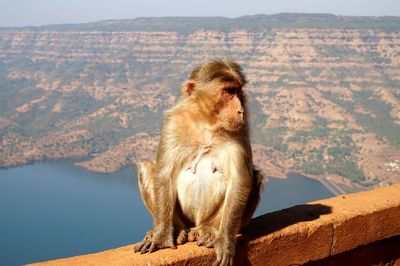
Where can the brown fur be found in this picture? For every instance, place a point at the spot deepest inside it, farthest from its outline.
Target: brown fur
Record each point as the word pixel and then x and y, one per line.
pixel 203 186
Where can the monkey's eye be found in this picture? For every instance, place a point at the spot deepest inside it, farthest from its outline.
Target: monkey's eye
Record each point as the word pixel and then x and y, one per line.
pixel 230 91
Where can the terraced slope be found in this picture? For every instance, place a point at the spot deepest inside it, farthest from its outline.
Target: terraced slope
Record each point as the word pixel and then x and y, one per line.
pixel 324 90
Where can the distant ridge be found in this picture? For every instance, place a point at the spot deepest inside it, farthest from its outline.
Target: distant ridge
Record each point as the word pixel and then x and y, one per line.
pixel 254 23
pixel 323 90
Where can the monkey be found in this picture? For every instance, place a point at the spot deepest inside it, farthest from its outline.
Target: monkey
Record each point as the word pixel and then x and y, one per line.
pixel 203 186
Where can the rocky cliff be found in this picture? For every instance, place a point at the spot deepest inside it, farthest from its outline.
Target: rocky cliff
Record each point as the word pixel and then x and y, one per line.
pixel 324 90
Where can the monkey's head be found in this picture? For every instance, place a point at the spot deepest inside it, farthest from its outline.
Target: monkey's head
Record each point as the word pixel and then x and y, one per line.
pixel 216 87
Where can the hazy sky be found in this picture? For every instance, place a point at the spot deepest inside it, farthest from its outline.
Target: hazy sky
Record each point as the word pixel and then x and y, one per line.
pixel 42 12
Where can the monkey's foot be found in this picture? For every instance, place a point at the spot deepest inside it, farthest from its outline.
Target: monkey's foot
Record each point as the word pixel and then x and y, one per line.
pixel 203 235
pixel 158 241
pixel 224 249
pixel 149 235
pixel 182 237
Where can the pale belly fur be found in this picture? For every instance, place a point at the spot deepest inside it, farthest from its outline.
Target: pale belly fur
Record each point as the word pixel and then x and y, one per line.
pixel 200 193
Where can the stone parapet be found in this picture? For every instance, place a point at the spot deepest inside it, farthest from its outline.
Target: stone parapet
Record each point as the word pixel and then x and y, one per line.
pixel 293 236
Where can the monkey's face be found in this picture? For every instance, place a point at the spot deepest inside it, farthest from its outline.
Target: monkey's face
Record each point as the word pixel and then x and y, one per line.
pixel 222 101
pixel 230 107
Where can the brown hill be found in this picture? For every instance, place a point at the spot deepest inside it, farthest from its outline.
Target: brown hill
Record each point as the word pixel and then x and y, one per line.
pixel 324 90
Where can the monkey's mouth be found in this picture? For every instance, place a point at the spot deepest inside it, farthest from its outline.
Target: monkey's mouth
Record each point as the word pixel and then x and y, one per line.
pixel 234 125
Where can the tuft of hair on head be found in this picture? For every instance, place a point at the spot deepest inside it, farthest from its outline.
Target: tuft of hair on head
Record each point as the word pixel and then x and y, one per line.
pixel 221 68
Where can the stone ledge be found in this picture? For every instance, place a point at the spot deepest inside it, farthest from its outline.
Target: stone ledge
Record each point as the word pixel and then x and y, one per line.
pixel 384 252
pixel 296 235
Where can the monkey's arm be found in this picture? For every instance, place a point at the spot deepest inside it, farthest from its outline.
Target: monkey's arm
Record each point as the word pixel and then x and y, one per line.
pixel 164 187
pixel 233 209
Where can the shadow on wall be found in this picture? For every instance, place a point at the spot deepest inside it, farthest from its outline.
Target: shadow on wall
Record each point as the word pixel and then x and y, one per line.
pixel 275 221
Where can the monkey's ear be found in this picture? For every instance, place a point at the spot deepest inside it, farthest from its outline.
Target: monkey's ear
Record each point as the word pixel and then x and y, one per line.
pixel 189 87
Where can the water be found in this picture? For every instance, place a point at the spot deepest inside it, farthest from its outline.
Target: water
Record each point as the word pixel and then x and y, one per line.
pixel 52 210
pixel 283 193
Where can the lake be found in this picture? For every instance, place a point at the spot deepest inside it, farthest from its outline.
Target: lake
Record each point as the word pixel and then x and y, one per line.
pixel 51 210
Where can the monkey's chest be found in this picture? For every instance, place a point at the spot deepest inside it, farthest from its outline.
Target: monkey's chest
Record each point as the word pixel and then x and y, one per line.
pixel 202 191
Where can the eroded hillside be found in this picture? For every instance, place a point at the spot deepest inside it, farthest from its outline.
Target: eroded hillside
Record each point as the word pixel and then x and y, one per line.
pixel 325 100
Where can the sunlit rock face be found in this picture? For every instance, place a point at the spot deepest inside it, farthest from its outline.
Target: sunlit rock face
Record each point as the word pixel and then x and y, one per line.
pixel 323 91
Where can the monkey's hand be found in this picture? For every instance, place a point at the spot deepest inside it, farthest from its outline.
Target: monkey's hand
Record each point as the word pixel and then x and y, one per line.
pixel 225 250
pixel 156 242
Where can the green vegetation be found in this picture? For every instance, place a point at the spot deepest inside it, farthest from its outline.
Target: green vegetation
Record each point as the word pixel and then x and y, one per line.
pixel 336 51
pixel 341 153
pixel 313 168
pixel 341 161
pixel 347 169
pixel 112 69
pixel 320 130
pixel 380 121
pixel 274 137
pixel 257 115
pixel 377 120
pixel 15 93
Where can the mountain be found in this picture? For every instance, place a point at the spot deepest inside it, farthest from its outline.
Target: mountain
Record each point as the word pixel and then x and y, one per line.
pixel 324 90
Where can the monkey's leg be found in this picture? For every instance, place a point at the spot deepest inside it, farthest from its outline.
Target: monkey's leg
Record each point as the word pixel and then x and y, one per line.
pixel 146 175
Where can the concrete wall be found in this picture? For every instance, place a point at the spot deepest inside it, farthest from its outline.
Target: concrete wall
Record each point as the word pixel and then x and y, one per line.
pixel 336 231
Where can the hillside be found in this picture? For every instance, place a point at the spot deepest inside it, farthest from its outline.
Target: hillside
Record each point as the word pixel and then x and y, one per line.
pixel 324 90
